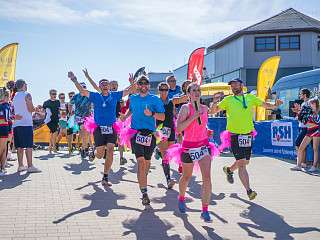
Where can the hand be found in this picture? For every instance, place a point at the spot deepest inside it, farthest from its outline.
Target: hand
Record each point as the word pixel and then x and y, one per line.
pixel 71 76
pixel 86 74
pixel 278 102
pixel 196 115
pixel 131 80
pixel 18 117
pixel 147 112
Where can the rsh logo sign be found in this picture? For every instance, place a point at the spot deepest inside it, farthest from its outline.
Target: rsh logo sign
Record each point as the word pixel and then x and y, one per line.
pixel 281 134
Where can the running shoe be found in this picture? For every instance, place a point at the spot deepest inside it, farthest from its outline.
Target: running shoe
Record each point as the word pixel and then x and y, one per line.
pixel 182 206
pixel 22 168
pixel 170 183
pixel 33 169
pixel 228 174
pixel 3 172
pixel 252 194
pixel 205 216
pixel 91 155
pixel 105 182
pixel 145 199
pixel 313 169
pixel 296 168
pixel 157 154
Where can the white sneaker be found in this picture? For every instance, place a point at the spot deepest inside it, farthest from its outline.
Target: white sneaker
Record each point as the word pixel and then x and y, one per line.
pixel 2 172
pixel 22 168
pixel 312 169
pixel 296 168
pixel 33 169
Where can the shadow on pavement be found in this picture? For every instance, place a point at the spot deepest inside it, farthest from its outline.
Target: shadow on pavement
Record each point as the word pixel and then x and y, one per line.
pixel 78 168
pixel 212 234
pixel 267 221
pixel 13 180
pixel 149 226
pixel 102 201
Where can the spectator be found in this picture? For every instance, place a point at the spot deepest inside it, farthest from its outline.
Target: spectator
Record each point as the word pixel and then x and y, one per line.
pixel 63 112
pixel 304 95
pixel 52 107
pixel 313 133
pixel 174 89
pixel 4 129
pixel 22 127
pixel 275 114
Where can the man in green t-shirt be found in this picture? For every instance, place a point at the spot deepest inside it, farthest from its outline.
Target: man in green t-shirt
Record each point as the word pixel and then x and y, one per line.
pixel 239 108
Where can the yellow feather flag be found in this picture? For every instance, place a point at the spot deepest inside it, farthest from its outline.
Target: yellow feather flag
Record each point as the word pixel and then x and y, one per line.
pixel 8 57
pixel 266 76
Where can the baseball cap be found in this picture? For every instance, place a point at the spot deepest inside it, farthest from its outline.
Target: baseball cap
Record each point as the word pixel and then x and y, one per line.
pixel 143 78
pixel 235 80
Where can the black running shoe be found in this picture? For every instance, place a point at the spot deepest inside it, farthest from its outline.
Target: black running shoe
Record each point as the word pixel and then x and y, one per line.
pixel 228 174
pixel 83 154
pixel 145 200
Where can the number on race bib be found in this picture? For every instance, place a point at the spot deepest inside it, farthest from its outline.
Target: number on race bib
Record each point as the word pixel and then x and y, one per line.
pixel 106 129
pixel 144 140
pixel 197 154
pixel 244 140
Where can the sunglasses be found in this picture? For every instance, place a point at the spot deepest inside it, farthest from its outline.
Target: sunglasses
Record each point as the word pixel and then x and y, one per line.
pixel 143 83
pixel 53 94
pixel 62 97
pixel 163 90
pixel 172 81
pixel 195 90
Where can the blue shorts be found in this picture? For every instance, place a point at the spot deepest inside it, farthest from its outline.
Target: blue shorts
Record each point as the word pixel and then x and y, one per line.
pixel 23 136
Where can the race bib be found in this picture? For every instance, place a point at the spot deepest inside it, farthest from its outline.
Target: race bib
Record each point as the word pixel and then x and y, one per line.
pixel 143 140
pixel 244 140
pixel 166 132
pixel 79 119
pixel 106 129
pixel 197 154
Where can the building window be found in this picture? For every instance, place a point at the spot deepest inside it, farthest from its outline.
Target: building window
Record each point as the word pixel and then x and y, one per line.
pixel 289 42
pixel 263 44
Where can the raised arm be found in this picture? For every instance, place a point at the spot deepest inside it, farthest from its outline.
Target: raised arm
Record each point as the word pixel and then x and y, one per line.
pixel 214 108
pixel 180 100
pixel 73 78
pixel 132 88
pixel 93 83
pixel 272 106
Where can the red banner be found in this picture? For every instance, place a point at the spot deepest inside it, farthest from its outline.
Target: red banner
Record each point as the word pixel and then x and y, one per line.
pixel 195 65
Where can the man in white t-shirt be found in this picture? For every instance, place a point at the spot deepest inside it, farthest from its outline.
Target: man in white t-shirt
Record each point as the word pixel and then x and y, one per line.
pixel 23 126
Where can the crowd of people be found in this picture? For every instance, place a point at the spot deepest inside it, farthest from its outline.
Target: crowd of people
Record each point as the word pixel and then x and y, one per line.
pixel 176 114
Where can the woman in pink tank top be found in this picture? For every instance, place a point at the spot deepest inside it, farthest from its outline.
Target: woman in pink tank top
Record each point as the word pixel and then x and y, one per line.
pixel 192 120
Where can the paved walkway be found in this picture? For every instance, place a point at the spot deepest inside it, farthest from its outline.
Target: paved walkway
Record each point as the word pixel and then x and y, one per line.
pixel 67 201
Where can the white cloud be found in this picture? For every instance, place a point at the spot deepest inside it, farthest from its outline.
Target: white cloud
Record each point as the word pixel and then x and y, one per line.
pixel 193 20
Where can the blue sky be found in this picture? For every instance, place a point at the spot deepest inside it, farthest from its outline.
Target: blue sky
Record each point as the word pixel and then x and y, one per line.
pixel 112 38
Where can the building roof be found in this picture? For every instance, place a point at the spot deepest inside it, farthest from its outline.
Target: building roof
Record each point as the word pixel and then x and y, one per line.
pixel 289 20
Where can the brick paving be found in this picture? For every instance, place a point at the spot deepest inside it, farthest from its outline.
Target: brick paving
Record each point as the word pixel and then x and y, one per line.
pixel 67 201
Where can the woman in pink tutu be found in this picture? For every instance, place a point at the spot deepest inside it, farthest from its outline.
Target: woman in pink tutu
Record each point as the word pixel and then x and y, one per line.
pixel 192 120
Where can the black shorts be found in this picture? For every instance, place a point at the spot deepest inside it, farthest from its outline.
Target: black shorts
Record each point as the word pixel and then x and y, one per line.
pixel 140 150
pixel 53 126
pixel 240 152
pixel 4 131
pixel 103 139
pixel 23 137
pixel 186 158
pixel 301 135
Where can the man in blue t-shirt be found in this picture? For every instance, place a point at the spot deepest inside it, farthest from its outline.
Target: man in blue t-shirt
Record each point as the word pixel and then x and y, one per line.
pixel 145 109
pixel 174 90
pixel 104 108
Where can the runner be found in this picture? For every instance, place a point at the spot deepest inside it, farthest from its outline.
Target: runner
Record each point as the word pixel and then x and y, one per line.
pixel 145 109
pixel 192 120
pixel 70 133
pixel 4 130
pixel 167 130
pixel 82 106
pixel 239 112
pixel 63 121
pixel 52 107
pixel 104 116
pixel 22 126
pixel 174 89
